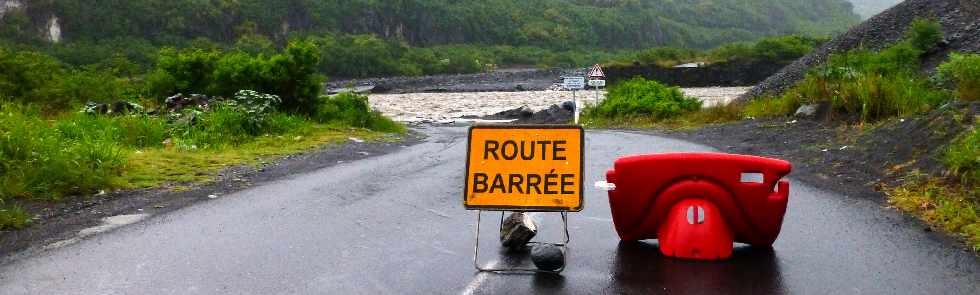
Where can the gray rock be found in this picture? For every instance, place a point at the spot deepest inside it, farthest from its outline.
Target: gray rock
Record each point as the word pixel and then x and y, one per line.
pixel 807 111
pixel 517 230
pixel 568 106
pixel 526 112
pixel 548 257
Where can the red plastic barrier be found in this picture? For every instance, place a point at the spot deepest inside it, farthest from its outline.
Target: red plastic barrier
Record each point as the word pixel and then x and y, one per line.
pixel 648 187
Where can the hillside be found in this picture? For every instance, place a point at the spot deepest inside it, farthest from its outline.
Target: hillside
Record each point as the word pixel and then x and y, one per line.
pixel 960 20
pixel 545 23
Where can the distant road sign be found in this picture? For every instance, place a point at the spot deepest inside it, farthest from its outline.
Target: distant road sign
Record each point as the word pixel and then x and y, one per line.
pixel 524 169
pixel 596 72
pixel 597 83
pixel 574 83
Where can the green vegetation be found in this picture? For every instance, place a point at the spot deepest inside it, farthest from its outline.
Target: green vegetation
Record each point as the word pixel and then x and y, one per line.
pixel 554 24
pixel 964 71
pixel 950 206
pixel 639 97
pixel 13 217
pixel 366 38
pixel 49 151
pixel 781 49
pixel 963 159
pixel 867 84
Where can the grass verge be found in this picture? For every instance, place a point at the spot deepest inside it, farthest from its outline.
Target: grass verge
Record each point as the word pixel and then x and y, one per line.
pixel 157 166
pixel 941 203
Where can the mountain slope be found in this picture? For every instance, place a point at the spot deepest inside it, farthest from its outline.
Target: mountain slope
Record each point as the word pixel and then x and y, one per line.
pixel 960 20
pixel 549 23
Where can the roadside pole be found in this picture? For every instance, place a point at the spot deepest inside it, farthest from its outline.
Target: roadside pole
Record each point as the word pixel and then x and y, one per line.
pixel 597 79
pixel 577 111
pixel 574 84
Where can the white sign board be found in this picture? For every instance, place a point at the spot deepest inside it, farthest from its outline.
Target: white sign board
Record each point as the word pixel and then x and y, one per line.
pixel 597 83
pixel 574 83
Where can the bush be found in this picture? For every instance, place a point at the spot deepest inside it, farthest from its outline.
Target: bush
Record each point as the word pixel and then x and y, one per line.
pixel 924 34
pixel 290 74
pixel 353 110
pixel 964 70
pixel 641 97
pixel 187 71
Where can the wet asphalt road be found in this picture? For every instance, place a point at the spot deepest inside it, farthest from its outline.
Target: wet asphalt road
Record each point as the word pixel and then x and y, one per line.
pixel 394 224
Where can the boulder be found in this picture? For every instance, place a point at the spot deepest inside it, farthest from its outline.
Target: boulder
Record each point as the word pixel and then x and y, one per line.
pixel 807 111
pixel 568 106
pixel 548 257
pixel 518 229
pixel 179 102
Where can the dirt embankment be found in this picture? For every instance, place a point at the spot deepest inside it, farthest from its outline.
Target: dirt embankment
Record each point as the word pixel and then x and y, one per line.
pixel 960 20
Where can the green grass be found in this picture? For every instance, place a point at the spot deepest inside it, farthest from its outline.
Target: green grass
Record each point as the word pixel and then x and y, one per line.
pixel 158 166
pixel 945 205
pixel 51 157
pixel 13 217
pixel 771 106
pixel 963 158
pixel 964 71
pixel 688 120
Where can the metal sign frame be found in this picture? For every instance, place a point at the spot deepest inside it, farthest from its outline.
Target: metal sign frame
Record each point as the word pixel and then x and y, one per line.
pixel 503 209
pixel 476 248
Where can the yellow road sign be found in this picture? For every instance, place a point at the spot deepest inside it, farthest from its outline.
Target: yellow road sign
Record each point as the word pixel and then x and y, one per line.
pixel 519 168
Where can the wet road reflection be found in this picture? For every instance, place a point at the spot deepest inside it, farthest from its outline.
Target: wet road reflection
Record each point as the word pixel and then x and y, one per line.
pixel 638 264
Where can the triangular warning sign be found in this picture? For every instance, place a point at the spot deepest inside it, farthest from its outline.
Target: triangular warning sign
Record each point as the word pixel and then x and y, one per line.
pixel 596 72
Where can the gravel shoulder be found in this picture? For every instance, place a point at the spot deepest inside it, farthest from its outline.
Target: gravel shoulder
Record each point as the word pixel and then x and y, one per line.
pixel 70 221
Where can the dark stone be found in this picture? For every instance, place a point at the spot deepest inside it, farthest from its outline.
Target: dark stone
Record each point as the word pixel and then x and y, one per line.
pixel 568 106
pixel 526 112
pixel 180 102
pixel 517 230
pixel 548 257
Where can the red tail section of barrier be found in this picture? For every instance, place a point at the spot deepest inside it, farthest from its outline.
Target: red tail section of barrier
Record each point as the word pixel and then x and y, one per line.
pixel 745 194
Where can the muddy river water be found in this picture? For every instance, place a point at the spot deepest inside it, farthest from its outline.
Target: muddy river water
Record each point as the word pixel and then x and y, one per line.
pixel 413 107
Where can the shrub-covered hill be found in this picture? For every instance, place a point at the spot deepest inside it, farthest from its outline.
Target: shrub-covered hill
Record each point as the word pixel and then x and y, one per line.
pixel 960 20
pixel 545 23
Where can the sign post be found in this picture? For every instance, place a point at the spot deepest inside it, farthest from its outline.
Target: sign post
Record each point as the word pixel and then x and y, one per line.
pixel 524 169
pixel 574 84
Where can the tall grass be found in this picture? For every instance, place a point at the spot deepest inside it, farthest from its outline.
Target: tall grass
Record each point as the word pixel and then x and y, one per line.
pixel 963 158
pixel 964 71
pixel 38 161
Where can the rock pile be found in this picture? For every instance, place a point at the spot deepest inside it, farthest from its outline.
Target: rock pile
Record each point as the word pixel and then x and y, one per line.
pixel 555 114
pixel 960 20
